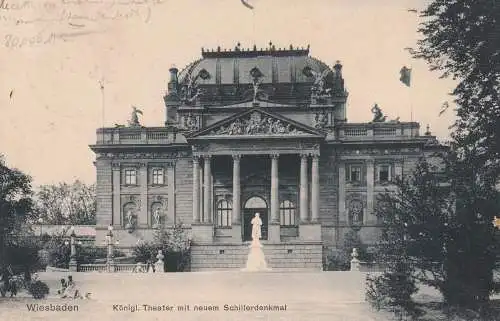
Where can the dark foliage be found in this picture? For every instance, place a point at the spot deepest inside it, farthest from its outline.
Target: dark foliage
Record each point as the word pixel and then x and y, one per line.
pixel 15 204
pixel 38 290
pixel 175 247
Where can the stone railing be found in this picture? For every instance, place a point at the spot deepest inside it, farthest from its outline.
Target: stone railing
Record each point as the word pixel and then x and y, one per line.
pixel 126 267
pixel 130 135
pixel 378 131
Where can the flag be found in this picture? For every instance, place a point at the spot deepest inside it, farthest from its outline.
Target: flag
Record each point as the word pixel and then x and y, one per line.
pixel 246 4
pixel 405 76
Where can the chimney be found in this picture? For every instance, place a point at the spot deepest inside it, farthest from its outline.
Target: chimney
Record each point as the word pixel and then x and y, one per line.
pixel 172 84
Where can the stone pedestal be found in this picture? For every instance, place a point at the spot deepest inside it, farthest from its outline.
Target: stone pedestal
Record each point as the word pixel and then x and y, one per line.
pixel 202 232
pixel 310 232
pixel 73 267
pixel 273 233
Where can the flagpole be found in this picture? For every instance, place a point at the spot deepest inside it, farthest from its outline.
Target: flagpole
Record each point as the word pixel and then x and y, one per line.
pixel 101 83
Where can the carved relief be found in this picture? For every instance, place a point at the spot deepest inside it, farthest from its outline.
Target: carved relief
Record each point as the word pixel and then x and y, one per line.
pixel 191 122
pixel 320 120
pixel 255 124
pixel 172 156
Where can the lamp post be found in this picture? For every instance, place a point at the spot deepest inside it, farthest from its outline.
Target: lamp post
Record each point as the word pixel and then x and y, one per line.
pixel 109 242
pixel 72 258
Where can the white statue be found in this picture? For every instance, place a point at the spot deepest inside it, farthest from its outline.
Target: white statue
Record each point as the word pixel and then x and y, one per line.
pixel 156 215
pixel 256 227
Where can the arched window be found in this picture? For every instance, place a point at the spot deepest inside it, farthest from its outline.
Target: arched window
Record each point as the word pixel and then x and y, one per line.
pixel 287 213
pixel 224 213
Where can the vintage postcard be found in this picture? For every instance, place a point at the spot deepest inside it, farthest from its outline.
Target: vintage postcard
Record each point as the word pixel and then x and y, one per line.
pixel 217 160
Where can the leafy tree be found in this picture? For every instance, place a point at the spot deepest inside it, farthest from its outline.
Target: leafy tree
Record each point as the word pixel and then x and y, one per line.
pixel 15 205
pixel 64 203
pixel 436 231
pixel 461 38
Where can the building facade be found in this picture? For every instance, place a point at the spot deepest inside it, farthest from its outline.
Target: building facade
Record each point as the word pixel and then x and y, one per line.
pixel 253 131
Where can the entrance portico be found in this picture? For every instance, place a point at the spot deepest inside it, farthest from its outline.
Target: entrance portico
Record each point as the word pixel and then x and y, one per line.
pixel 302 147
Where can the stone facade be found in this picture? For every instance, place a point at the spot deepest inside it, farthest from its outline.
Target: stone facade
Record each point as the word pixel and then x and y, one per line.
pixel 253 132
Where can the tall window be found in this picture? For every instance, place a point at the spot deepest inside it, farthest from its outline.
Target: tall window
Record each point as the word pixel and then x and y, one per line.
pixel 224 212
pixel 384 173
pixel 158 176
pixel 287 213
pixel 130 177
pixel 354 173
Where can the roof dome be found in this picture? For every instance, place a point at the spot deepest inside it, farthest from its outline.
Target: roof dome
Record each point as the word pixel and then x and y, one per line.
pixel 285 75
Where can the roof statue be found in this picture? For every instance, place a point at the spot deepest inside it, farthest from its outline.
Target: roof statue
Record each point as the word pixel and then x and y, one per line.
pixel 134 119
pixel 191 91
pixel 378 116
pixel 257 76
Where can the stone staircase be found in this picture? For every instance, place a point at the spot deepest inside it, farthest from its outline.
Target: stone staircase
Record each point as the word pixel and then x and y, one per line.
pixel 279 257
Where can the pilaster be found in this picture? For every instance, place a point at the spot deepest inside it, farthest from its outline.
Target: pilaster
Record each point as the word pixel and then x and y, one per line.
pixel 341 194
pixel 115 167
pixel 142 220
pixel 171 193
pixel 370 176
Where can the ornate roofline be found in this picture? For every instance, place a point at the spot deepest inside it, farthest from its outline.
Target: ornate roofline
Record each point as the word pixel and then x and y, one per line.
pixel 238 52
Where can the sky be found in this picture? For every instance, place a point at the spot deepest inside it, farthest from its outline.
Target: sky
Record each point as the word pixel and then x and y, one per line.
pixel 55 55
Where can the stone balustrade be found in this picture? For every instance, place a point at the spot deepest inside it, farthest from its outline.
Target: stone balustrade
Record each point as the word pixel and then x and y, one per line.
pixel 380 131
pixel 132 135
pixel 124 267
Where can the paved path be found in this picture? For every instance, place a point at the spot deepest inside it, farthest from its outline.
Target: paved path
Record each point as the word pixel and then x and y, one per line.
pixel 313 296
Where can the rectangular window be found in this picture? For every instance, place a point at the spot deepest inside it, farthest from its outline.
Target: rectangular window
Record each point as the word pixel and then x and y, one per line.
pixel 130 177
pixel 384 173
pixel 158 176
pixel 354 173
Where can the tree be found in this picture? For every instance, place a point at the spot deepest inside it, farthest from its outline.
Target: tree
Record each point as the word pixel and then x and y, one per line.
pixel 15 204
pixel 437 231
pixel 461 38
pixel 67 203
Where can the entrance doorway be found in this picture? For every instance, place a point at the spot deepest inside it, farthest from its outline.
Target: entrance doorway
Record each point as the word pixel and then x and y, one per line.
pixel 252 206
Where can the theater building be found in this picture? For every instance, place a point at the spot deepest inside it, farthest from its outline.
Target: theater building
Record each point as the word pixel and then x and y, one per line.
pixel 253 131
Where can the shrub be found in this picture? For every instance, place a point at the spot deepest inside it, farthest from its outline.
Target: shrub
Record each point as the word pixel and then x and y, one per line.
pixel 38 289
pixel 175 246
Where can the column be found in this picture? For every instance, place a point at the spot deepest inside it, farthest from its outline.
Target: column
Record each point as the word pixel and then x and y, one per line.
pixel 303 188
pixel 342 215
pixel 143 176
pixel 370 176
pixel 196 190
pixel 200 193
pixel 116 219
pixel 275 206
pixel 315 188
pixel 171 192
pixel 207 211
pixel 236 189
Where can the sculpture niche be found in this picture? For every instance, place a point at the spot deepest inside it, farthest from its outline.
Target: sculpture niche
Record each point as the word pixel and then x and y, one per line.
pixel 256 260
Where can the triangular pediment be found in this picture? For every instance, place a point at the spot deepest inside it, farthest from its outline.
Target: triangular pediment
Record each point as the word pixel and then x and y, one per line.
pixel 256 123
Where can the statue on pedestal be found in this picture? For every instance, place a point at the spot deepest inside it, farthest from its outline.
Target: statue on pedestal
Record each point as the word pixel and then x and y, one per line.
pixel 134 119
pixel 256 227
pixel 157 218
